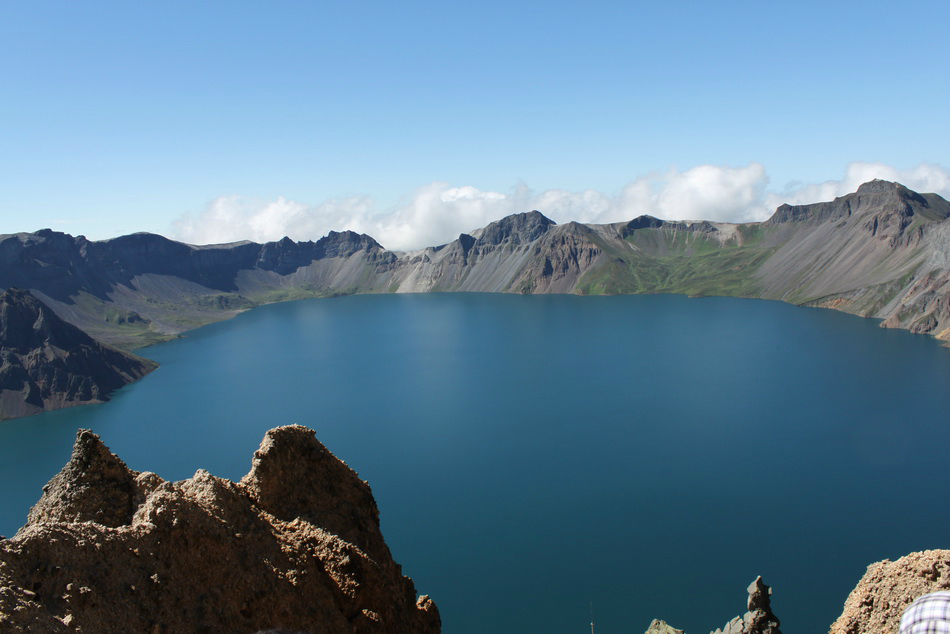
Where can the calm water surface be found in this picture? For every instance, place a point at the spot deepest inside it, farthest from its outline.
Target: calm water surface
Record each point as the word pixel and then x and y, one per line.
pixel 652 454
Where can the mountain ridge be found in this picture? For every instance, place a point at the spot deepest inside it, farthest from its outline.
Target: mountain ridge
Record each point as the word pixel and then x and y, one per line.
pixel 882 251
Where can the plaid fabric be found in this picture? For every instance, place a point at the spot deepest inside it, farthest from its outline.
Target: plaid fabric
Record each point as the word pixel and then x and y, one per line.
pixel 930 614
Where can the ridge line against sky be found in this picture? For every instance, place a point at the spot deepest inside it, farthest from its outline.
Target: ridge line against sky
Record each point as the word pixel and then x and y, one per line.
pixel 418 120
pixel 438 212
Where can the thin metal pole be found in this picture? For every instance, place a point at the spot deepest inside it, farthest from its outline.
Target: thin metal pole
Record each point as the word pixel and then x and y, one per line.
pixel 591 617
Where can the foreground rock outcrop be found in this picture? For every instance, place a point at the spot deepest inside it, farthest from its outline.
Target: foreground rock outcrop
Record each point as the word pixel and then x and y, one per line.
pixel 888 587
pixel 875 606
pixel 759 619
pixel 295 545
pixel 47 363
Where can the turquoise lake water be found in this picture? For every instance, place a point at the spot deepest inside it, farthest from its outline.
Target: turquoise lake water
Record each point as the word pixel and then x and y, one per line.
pixel 531 455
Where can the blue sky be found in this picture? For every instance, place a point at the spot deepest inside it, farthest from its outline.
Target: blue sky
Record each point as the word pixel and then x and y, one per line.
pixel 211 121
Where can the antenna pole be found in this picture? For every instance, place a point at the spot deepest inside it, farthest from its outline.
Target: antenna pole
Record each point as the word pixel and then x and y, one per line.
pixel 591 617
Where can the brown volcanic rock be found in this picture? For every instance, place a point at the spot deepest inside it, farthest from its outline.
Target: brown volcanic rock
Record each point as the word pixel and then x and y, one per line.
pixel 323 494
pixel 888 587
pixel 47 363
pixel 94 486
pixel 294 546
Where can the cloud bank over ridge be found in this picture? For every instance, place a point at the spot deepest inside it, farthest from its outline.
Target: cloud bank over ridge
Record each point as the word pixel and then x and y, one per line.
pixel 436 213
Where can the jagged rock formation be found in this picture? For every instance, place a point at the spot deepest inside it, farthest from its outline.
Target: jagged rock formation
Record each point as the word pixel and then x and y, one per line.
pixel 888 587
pixel 295 545
pixel 759 619
pixel 48 363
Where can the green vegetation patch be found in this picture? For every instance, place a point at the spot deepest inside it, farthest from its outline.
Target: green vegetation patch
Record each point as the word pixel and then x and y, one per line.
pixel 753 233
pixel 272 296
pixel 720 271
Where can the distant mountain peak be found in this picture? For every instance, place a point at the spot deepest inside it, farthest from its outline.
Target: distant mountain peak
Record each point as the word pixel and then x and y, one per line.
pixel 517 228
pixel 879 185
pixel 873 197
pixel 644 221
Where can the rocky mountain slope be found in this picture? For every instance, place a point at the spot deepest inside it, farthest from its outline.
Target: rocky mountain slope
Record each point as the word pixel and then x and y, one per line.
pixel 48 363
pixel 142 288
pixel 882 251
pixel 294 546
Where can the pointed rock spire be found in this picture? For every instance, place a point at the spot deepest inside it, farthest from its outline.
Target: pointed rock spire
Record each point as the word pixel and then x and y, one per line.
pixel 294 476
pixel 94 486
pixel 759 619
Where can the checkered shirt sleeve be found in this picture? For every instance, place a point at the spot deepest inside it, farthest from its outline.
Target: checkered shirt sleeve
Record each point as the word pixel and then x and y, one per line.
pixel 930 614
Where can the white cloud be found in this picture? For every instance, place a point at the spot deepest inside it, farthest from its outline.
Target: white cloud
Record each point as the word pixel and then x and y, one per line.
pixel 706 192
pixel 924 178
pixel 234 218
pixel 436 213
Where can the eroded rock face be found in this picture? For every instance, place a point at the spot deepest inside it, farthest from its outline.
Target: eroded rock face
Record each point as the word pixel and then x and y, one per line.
pixel 294 546
pixel 888 587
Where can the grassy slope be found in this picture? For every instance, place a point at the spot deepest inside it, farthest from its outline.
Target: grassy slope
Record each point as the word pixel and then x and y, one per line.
pixel 157 313
pixel 129 329
pixel 690 263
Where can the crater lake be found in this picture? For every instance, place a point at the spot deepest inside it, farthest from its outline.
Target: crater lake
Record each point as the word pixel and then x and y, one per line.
pixel 535 455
